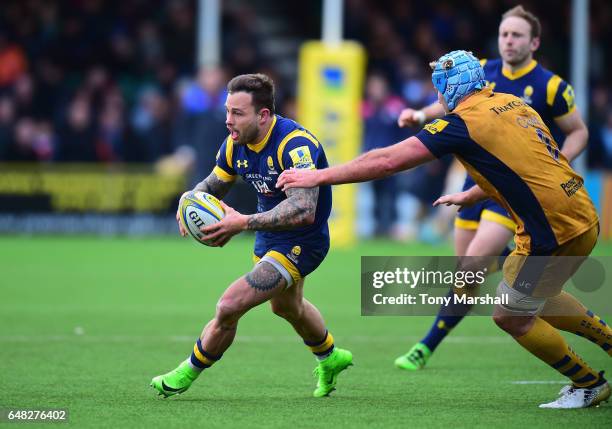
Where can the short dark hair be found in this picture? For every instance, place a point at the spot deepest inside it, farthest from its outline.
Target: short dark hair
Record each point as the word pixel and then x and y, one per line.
pixel 259 85
pixel 520 12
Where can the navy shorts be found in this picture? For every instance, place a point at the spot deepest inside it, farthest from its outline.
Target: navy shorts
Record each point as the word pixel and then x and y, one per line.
pixel 294 261
pixel 469 217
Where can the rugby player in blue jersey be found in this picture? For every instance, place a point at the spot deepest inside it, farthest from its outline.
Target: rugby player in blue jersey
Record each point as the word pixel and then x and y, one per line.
pixel 292 236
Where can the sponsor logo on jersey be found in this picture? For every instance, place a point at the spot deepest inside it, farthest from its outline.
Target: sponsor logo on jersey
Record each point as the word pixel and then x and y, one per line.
pixel 527 93
pixel 436 126
pixel 295 253
pixel 242 163
pixel 572 186
pixel 301 158
pixel 271 169
pixel 568 96
pixel 511 105
pixel 262 187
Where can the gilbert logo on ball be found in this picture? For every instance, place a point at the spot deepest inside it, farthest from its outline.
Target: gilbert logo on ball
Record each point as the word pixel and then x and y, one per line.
pixel 199 209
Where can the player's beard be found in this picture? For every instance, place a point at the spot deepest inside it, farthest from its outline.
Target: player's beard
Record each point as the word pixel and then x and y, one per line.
pixel 520 58
pixel 248 135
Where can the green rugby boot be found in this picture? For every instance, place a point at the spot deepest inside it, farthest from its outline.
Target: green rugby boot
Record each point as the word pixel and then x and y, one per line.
pixel 415 359
pixel 176 381
pixel 328 369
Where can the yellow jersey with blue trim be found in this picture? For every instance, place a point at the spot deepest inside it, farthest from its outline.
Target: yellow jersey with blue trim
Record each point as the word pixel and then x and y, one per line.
pixel 286 145
pixel 510 153
pixel 547 93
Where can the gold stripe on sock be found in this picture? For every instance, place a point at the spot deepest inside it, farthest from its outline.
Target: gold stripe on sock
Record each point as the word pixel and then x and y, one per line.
pixel 201 357
pixel 324 346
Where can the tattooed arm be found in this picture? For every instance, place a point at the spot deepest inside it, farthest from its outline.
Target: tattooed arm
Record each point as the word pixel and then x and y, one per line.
pixel 214 186
pixel 297 210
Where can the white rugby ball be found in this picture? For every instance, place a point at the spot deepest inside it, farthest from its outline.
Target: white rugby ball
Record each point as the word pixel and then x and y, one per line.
pixel 199 209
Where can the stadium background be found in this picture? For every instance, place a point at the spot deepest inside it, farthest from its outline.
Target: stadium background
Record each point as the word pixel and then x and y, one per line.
pixel 105 118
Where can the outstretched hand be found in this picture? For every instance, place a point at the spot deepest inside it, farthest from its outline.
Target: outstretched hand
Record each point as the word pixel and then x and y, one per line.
pixel 410 118
pixel 298 178
pixel 459 199
pixel 218 234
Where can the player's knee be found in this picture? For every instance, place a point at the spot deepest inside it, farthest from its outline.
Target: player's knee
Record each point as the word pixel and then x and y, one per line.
pixel 229 311
pixel 502 321
pixel 514 325
pixel 287 311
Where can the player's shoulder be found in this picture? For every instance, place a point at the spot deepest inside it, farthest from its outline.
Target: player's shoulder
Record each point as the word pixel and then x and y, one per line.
pixel 285 126
pixel 290 132
pixel 547 77
pixel 491 62
pixel 490 65
pixel 452 123
pixel 226 148
pixel 540 70
pixel 295 145
pixel 445 135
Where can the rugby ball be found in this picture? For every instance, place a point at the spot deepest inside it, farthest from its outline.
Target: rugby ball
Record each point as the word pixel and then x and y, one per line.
pixel 199 209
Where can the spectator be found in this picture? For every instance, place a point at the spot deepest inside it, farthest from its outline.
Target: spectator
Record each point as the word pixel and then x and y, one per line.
pixel 605 134
pixel 380 111
pixel 151 124
pixel 30 143
pixel 76 136
pixel 13 63
pixel 201 120
pixel 7 119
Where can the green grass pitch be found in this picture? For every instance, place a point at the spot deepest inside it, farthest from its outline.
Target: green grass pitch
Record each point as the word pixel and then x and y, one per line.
pixel 86 322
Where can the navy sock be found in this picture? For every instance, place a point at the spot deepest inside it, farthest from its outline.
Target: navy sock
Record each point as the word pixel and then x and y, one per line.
pixel 448 317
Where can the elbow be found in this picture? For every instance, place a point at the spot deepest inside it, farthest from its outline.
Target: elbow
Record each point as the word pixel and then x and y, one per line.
pixel 306 218
pixel 581 134
pixel 388 166
pixel 310 218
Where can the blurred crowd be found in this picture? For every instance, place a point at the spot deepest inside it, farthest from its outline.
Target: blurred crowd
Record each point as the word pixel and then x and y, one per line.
pixel 92 80
pixel 99 81
pixel 117 81
pixel 403 36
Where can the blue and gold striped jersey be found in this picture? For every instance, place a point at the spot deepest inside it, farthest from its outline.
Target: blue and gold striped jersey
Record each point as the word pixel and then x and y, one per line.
pixel 286 145
pixel 510 153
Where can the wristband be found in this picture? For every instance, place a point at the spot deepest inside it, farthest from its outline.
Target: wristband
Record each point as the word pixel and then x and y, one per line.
pixel 419 116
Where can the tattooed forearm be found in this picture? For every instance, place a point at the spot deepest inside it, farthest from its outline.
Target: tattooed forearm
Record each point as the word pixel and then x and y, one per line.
pixel 214 186
pixel 265 277
pixel 297 210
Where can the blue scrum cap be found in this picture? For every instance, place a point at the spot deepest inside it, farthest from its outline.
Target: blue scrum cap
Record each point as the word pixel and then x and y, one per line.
pixel 456 75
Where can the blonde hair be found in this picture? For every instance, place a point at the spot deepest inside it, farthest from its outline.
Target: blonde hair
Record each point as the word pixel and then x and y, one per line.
pixel 520 12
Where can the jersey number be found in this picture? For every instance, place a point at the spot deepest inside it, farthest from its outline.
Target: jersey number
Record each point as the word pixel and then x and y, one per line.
pixel 552 149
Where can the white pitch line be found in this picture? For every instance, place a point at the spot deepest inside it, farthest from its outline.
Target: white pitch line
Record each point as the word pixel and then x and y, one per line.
pixel 244 338
pixel 540 382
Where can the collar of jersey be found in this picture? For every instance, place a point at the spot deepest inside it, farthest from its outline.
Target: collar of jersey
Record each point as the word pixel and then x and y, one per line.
pixel 257 147
pixel 473 99
pixel 520 72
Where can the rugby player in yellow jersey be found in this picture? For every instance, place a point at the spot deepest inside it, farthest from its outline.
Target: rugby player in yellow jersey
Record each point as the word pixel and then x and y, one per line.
pixel 484 229
pixel 533 181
